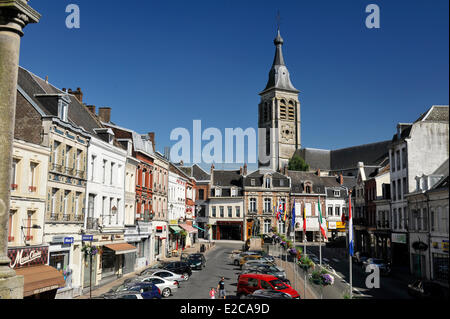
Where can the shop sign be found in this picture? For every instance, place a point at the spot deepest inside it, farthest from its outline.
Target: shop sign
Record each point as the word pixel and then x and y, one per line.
pixel 87 238
pixel 340 225
pixel 173 222
pixel 159 229
pixel 332 225
pixel 68 240
pixel 399 238
pixel 445 245
pixel 25 257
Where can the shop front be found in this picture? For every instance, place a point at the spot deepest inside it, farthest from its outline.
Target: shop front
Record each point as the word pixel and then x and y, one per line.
pixel 229 230
pixel 440 259
pixel 160 240
pixel 399 249
pixel 41 281
pixel 138 236
pixel 191 233
pixel 174 237
pixel 61 258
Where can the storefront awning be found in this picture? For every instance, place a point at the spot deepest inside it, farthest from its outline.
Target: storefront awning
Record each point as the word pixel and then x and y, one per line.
pixel 38 279
pixel 175 229
pixel 189 228
pixel 122 248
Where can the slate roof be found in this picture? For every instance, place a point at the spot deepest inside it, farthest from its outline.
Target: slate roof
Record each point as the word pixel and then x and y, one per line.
pixel 227 178
pixel 443 169
pixel 258 176
pixel 78 115
pixel 369 154
pixel 438 113
pixel 318 182
pixel 196 172
pixel 315 158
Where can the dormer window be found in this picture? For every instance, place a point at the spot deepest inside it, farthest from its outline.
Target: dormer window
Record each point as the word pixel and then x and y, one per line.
pixel 252 182
pixel 308 189
pixel 218 192
pixel 267 182
pixel 63 109
pixel 337 193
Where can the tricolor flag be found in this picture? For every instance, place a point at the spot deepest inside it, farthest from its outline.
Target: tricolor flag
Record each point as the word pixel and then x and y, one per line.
pixel 320 221
pixel 350 225
pixel 304 218
pixel 293 216
pixel 285 211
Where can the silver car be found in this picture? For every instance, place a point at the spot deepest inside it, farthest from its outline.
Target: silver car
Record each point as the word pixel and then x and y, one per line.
pixel 276 271
pixel 165 286
pixel 165 274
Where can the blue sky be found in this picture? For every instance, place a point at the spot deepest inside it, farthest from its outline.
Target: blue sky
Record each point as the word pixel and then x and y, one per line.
pixel 162 64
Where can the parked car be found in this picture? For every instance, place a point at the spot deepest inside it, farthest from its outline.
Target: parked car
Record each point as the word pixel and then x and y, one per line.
pixel 385 268
pixel 178 267
pixel 425 289
pixel 166 274
pixel 195 261
pixel 268 294
pixel 147 290
pixel 249 283
pixel 246 258
pixel 127 295
pixel 360 257
pixel 274 269
pixel 237 255
pixel 165 286
pixel 264 272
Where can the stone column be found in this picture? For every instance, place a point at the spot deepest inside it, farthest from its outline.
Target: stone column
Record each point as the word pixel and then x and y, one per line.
pixel 14 16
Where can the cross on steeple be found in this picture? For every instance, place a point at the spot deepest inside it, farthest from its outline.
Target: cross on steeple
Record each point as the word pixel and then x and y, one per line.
pixel 278 20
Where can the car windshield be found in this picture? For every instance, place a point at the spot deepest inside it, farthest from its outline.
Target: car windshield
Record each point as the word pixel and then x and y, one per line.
pixel 278 284
pixel 195 257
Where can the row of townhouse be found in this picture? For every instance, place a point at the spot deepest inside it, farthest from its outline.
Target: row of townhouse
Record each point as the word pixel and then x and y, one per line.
pixel 236 205
pixel 402 209
pixel 80 181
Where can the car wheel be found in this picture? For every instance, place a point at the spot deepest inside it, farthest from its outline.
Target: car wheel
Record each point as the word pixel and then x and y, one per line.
pixel 186 276
pixel 166 292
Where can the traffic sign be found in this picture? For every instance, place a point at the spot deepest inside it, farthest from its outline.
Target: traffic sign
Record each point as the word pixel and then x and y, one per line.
pixel 87 238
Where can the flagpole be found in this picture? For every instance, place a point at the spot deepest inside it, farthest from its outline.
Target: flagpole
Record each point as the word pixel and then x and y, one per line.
pixel 320 238
pixel 350 225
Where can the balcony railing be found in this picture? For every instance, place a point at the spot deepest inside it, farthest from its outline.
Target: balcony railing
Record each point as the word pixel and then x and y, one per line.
pixel 56 168
pixel 92 223
pixel 69 170
pixel 32 189
pixel 80 174
pixel 14 187
pixel 66 217
pixel 10 238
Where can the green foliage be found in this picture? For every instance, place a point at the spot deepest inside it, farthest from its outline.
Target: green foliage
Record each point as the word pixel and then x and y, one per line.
pixel 297 163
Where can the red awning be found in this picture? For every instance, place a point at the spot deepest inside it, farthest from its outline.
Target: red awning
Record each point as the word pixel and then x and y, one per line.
pixel 122 248
pixel 188 228
pixel 41 278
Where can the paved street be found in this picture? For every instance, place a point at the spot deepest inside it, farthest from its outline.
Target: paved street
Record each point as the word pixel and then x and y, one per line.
pixel 218 264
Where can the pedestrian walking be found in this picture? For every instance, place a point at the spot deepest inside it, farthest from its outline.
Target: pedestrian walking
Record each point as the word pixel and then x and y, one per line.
pixel 212 293
pixel 221 288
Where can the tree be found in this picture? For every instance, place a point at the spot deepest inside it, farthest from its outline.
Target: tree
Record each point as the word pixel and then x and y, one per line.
pixel 297 163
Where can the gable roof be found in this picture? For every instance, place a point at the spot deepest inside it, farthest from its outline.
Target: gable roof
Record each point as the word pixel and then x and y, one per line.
pixel 44 95
pixel 227 178
pixel 258 177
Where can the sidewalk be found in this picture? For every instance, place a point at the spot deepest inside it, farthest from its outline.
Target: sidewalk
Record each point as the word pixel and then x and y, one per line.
pixel 105 288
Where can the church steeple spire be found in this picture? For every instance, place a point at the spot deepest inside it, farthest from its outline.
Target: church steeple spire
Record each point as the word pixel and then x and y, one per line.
pixel 279 74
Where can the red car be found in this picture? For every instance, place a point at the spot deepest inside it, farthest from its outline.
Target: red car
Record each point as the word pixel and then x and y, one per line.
pixel 248 283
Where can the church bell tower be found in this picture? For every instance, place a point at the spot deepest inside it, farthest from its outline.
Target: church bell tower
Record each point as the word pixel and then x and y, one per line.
pixel 279 115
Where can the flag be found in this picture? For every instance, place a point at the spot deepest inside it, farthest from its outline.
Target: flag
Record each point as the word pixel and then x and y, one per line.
pixel 350 225
pixel 285 211
pixel 304 218
pixel 320 221
pixel 293 216
pixel 275 208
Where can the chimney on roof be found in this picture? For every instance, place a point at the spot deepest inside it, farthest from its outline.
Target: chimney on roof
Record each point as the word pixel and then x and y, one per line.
pixel 245 169
pixel 341 179
pixel 285 170
pixel 46 79
pixel 91 108
pixel 151 137
pixel 104 113
pixel 318 172
pixel 181 163
pixel 78 94
pixel 212 174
